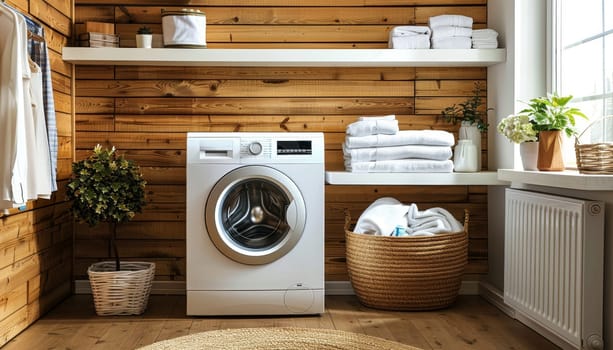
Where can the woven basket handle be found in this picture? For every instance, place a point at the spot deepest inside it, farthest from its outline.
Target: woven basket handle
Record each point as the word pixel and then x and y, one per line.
pixel 466 215
pixel 589 126
pixel 347 219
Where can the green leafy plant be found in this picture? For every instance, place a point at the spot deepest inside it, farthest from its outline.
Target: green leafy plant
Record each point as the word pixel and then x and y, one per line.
pixel 552 113
pixel 470 111
pixel 106 187
pixel 144 30
pixel 518 128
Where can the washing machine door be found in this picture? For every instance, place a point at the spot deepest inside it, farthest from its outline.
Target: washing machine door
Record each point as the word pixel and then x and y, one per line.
pixel 255 215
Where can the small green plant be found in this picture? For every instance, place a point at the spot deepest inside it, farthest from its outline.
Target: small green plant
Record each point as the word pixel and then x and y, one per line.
pixel 144 30
pixel 469 111
pixel 552 113
pixel 105 187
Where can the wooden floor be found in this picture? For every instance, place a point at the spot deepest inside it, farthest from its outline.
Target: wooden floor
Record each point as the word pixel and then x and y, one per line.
pixel 471 323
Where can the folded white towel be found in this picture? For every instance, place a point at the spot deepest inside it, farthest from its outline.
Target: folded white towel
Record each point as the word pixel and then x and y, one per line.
pixel 397 152
pixel 403 31
pixel 447 31
pixel 403 137
pixel 378 117
pixel 381 217
pixel 490 45
pixel 409 42
pixel 485 34
pixel 452 42
pixel 450 20
pixel 372 127
pixel 401 166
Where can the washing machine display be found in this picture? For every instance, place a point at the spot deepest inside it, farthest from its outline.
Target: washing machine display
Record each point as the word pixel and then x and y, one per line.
pixel 255 214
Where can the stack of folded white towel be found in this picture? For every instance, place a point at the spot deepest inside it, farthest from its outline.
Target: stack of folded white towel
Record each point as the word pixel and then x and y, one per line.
pixel 375 144
pixel 451 31
pixel 389 217
pixel 409 37
pixel 485 39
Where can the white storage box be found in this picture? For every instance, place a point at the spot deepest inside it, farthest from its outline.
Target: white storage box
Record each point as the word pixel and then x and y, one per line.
pixel 184 28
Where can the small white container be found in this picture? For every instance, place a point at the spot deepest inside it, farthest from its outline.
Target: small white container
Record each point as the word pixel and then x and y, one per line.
pixel 184 28
pixel 465 157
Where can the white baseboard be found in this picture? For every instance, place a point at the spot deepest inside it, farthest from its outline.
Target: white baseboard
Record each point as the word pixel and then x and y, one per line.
pixel 332 288
pixel 495 297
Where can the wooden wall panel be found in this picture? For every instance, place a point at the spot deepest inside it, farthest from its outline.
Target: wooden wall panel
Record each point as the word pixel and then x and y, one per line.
pixel 146 111
pixel 36 243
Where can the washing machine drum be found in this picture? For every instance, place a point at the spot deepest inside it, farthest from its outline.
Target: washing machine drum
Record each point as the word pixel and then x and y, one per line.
pixel 255 215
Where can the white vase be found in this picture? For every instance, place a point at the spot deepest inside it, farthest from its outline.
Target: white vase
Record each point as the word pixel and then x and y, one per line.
pixel 528 151
pixel 144 40
pixel 465 157
pixel 470 131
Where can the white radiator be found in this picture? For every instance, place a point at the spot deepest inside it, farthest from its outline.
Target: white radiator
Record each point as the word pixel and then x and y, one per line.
pixel 553 275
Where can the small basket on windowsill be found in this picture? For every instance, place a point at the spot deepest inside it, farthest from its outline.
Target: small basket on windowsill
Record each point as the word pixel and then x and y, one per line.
pixel 406 273
pixel 595 158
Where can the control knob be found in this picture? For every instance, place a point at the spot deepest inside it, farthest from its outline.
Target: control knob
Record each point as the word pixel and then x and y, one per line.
pixel 255 148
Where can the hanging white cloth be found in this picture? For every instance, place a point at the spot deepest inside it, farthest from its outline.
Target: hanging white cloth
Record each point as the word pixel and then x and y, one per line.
pixel 42 158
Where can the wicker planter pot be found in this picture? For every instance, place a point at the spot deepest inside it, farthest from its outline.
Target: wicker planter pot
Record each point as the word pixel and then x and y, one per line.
pixel 124 292
pixel 406 273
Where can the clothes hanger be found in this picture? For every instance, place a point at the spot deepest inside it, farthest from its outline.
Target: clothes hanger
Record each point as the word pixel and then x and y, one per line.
pixel 31 35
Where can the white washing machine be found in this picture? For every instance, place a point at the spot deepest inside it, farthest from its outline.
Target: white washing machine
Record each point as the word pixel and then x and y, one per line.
pixel 255 223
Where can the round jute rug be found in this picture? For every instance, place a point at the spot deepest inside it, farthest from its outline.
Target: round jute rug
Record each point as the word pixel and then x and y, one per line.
pixel 283 338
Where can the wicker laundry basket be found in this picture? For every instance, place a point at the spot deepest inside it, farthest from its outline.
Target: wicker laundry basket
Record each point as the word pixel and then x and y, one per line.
pixel 406 273
pixel 124 292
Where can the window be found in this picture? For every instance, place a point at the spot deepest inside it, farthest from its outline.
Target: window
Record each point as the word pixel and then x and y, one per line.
pixel 582 64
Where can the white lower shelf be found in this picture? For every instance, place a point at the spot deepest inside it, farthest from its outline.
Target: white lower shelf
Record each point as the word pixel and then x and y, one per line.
pixel 284 57
pixel 489 178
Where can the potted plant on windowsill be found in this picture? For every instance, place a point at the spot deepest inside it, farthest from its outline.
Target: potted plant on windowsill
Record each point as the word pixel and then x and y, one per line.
pixel 105 187
pixel 144 37
pixel 472 118
pixel 551 117
pixel 520 129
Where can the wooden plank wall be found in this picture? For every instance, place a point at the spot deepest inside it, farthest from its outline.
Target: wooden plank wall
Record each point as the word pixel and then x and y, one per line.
pixel 36 244
pixel 146 111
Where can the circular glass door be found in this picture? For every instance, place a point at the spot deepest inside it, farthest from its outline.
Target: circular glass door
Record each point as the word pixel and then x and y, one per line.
pixel 255 215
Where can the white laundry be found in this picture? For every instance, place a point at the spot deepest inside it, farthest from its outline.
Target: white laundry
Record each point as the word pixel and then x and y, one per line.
pixel 450 20
pixel 377 117
pixel 452 42
pixel 403 137
pixel 387 216
pixel 397 152
pixel 372 127
pixel 42 160
pixel 451 31
pixel 409 42
pixel 401 166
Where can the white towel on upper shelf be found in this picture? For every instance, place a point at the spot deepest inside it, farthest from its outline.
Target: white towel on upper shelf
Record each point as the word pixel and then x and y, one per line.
pixel 450 20
pixel 447 31
pixel 403 31
pixel 372 127
pixel 485 45
pixel 403 137
pixel 485 34
pixel 397 152
pixel 401 166
pixel 452 42
pixel 409 42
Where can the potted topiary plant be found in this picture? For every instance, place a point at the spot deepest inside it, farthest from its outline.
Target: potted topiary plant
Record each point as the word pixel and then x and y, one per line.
pixel 106 187
pixel 551 116
pixel 472 119
pixel 144 37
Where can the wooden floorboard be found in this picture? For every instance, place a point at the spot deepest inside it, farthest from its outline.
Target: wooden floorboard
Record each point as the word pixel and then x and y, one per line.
pixel 471 323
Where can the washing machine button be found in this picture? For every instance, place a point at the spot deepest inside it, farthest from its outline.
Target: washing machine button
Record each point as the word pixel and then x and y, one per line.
pixel 255 148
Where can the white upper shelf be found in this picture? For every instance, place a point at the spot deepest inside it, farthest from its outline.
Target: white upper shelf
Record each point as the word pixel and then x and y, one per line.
pixel 284 57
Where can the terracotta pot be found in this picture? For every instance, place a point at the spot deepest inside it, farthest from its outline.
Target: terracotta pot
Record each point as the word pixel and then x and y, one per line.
pixel 550 151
